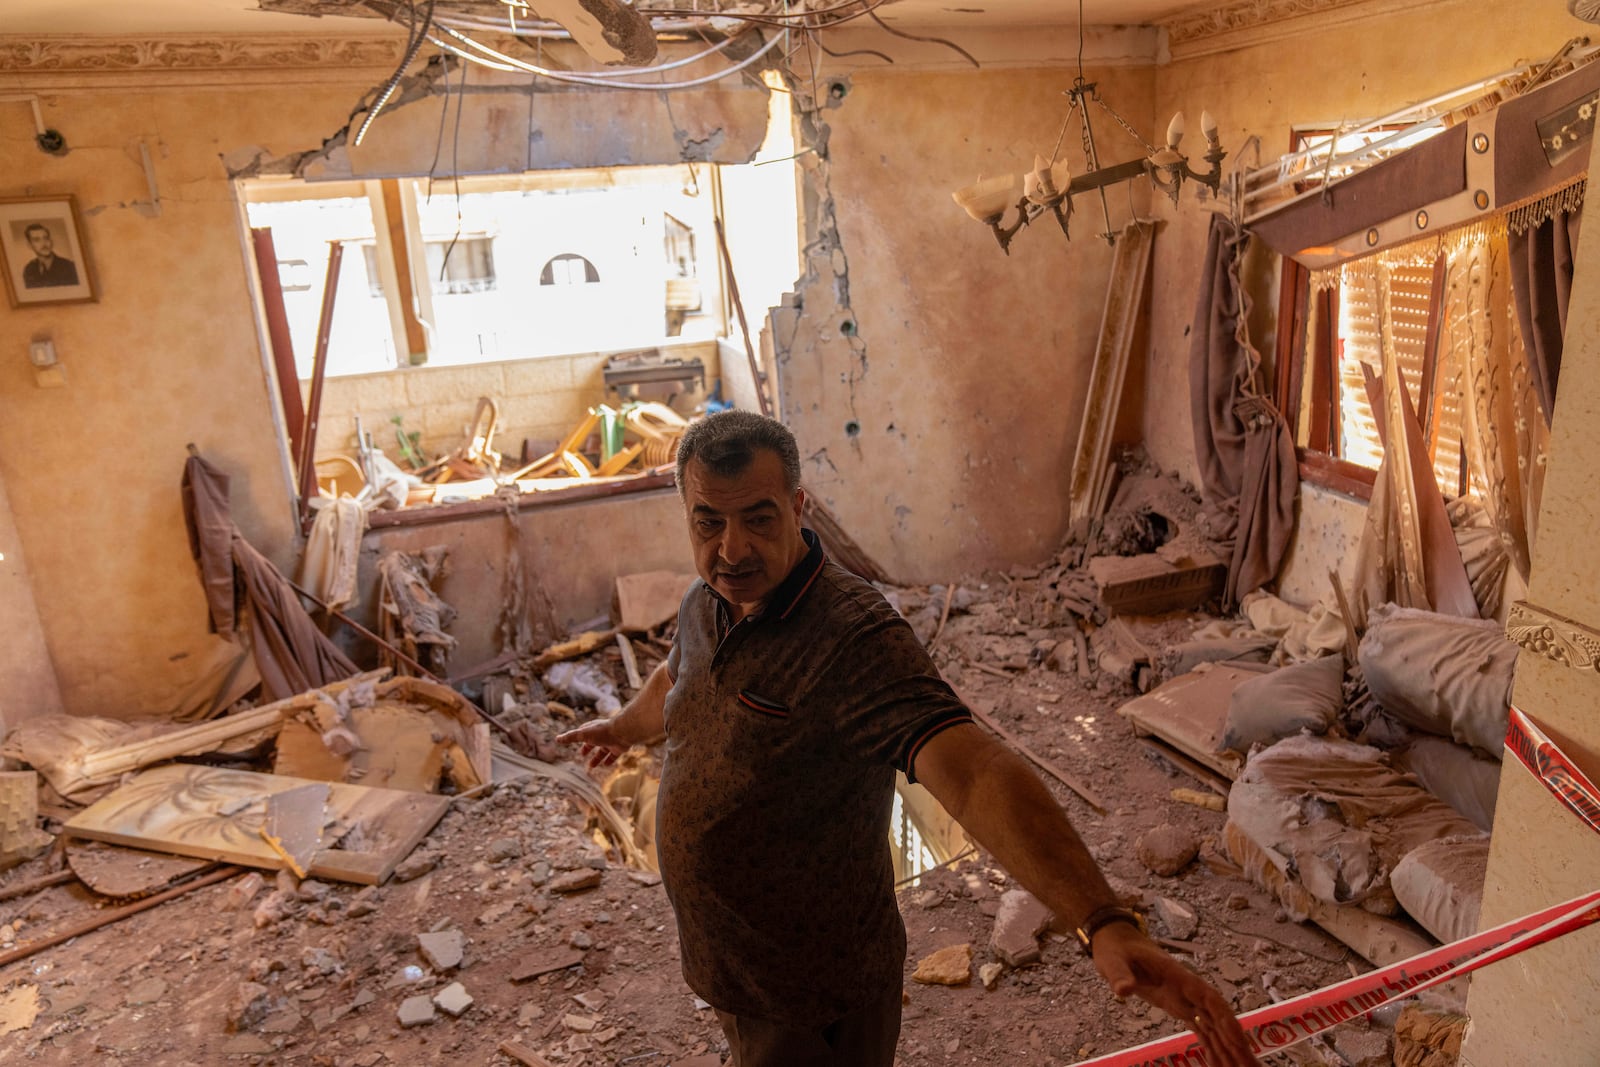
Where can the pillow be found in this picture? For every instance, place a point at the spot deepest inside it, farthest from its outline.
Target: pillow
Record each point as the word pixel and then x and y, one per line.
pixel 1306 696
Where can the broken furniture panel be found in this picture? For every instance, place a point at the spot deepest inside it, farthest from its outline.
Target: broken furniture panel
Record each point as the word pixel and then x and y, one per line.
pixel 1190 713
pixel 116 871
pixel 1149 585
pixel 215 814
pixel 644 601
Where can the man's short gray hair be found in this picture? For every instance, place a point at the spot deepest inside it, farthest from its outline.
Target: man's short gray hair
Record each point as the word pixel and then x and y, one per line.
pixel 727 443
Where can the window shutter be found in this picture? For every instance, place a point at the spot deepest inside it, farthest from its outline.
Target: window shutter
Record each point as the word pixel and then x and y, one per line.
pixel 1360 341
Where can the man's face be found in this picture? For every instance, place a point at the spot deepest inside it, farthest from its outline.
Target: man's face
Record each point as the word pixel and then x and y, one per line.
pixel 39 241
pixel 745 530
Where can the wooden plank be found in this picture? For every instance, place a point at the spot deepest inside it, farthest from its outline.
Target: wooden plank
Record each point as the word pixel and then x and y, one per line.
pixel 630 663
pixel 395 220
pixel 523 1054
pixel 1125 293
pixel 547 963
pixel 278 337
pixel 620 460
pixel 495 507
pixel 1071 782
pixel 1193 768
pixel 217 814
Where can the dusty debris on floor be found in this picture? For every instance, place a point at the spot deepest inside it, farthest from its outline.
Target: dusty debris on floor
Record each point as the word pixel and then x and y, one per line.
pixel 528 927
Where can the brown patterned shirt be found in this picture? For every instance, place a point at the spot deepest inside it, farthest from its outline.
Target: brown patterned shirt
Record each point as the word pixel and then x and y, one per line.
pixel 783 735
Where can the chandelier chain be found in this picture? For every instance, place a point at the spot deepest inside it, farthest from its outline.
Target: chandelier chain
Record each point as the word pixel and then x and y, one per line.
pixel 1125 125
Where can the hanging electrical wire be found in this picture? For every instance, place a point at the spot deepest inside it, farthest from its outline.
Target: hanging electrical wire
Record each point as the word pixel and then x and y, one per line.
pixel 418 33
pixel 629 72
pixel 506 62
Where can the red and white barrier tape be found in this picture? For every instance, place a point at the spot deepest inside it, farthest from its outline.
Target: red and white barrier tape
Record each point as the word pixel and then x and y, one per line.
pixel 1546 762
pixel 1292 1021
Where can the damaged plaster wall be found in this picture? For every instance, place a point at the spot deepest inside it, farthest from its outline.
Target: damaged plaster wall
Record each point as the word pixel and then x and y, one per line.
pixel 574 552
pixel 1331 74
pixel 935 384
pixel 171 354
pixel 30 683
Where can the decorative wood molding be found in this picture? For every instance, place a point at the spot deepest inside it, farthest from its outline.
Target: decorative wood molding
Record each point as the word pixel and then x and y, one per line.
pixel 1248 23
pixel 1553 636
pixel 120 55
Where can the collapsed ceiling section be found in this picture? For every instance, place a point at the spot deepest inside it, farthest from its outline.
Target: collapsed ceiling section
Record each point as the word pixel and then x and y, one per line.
pixel 612 32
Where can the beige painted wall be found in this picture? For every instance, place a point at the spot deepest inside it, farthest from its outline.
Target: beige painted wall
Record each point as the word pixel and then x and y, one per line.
pixel 969 378
pixel 1544 1006
pixel 29 681
pixel 1337 74
pixel 542 398
pixel 170 354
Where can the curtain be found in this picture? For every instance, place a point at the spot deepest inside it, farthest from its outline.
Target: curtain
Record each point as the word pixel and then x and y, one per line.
pixel 245 591
pixel 1506 432
pixel 1541 258
pixel 1243 446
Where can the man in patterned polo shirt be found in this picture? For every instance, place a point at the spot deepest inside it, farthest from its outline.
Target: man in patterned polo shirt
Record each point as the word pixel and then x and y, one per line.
pixel 793 693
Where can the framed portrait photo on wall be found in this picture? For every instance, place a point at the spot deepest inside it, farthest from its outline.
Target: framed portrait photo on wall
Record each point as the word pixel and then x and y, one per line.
pixel 43 253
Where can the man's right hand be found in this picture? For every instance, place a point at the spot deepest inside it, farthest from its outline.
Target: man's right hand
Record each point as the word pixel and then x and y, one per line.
pixel 599 740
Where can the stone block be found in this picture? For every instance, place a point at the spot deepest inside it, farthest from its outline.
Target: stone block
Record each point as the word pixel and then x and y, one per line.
pixel 1017 926
pixel 453 999
pixel 951 965
pixel 416 1011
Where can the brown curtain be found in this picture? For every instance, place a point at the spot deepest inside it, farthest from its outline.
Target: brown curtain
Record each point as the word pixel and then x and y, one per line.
pixel 1541 277
pixel 241 584
pixel 1243 446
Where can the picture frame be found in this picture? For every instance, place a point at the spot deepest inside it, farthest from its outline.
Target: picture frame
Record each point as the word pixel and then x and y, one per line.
pixel 44 254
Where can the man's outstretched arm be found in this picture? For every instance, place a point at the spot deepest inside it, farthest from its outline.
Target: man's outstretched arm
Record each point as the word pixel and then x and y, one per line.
pixel 642 722
pixel 1001 803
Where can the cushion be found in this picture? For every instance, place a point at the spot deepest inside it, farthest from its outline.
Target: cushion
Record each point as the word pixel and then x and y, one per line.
pixel 1305 697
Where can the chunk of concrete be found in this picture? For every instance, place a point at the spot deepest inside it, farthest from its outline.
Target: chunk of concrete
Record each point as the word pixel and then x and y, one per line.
pixel 443 950
pixel 453 999
pixel 416 1011
pixel 1017 926
pixel 1178 919
pixel 1166 850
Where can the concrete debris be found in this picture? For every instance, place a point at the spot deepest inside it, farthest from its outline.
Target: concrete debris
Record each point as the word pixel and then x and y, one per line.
pixel 416 1011
pixel 443 950
pixel 147 992
pixel 1363 1048
pixel 1428 1038
pixel 1017 926
pixel 592 1000
pixel 416 865
pixel 951 965
pixel 989 974
pixel 582 1024
pixel 1167 849
pixel 1178 920
pixel 244 891
pixel 453 999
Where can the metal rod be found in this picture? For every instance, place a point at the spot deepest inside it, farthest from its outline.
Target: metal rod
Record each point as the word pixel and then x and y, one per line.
pixel 308 444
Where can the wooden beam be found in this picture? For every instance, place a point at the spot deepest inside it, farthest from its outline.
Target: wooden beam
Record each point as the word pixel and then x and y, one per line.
pixel 395 220
pixel 294 416
pixel 308 444
pixel 495 506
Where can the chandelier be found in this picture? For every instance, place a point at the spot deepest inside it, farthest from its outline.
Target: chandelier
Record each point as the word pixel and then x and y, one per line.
pixel 1048 189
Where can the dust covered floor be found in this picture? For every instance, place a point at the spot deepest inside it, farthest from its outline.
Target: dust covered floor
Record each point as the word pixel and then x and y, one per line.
pixel 317 974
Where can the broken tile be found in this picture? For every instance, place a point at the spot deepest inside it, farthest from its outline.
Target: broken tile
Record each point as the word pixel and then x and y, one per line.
pixel 453 999
pixel 546 962
pixel 593 1000
pixel 416 1011
pixel 951 965
pixel 442 949
pixel 581 1023
pixel 246 1045
pixel 18 1008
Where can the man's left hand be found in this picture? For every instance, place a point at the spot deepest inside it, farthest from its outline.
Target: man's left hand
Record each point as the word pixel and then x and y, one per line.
pixel 1134 965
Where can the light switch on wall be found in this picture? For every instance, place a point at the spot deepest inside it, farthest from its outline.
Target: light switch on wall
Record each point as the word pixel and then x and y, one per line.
pixel 42 353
